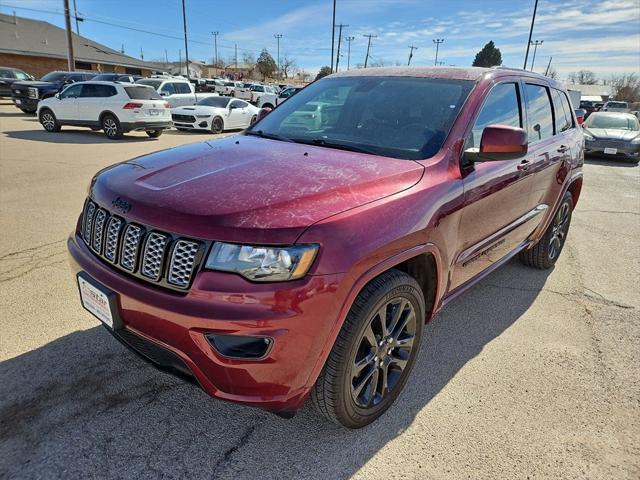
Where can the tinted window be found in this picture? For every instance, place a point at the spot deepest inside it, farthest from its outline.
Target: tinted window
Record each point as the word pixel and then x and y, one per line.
pixel 257 88
pixel 562 117
pixel 105 77
pixel 238 104
pixel 183 88
pixel 168 88
pixel 401 117
pixel 98 91
pixel 220 102
pixel 53 77
pixel 151 82
pixel 74 91
pixel 7 74
pixel 540 118
pixel 501 107
pixel 142 93
pixel 567 108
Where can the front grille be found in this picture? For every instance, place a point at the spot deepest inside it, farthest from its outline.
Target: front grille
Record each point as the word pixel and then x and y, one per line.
pixel 183 118
pixel 606 143
pixel 158 257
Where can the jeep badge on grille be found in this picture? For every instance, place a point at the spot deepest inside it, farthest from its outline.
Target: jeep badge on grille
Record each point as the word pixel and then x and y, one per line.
pixel 121 205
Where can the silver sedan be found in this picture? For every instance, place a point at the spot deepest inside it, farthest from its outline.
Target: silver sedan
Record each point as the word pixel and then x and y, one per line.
pixel 613 134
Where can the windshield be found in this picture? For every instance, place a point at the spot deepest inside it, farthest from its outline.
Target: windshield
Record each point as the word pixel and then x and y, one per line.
pixel 220 102
pixel 617 105
pixel 616 122
pixel 401 117
pixel 151 82
pixel 54 77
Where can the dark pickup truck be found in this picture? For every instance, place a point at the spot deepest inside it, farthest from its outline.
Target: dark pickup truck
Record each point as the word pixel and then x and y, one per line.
pixel 27 94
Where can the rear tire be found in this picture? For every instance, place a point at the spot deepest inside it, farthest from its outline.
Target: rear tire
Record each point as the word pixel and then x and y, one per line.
pixel 111 127
pixel 545 253
pixel 49 121
pixel 154 133
pixel 376 348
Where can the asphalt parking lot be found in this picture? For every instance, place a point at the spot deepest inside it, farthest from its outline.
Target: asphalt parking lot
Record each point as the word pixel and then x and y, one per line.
pixel 531 374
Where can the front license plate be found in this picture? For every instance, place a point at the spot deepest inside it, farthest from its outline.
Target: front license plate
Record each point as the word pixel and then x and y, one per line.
pixel 18 101
pixel 98 300
pixel 610 151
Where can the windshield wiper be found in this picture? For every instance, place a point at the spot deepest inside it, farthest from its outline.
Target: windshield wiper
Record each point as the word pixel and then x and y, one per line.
pixel 339 146
pixel 271 136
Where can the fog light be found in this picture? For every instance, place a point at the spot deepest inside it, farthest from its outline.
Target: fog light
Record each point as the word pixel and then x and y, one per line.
pixel 202 124
pixel 240 346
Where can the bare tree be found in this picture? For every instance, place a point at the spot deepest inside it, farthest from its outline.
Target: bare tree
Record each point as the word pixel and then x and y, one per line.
pixel 552 73
pixel 288 66
pixel 583 77
pixel 249 58
pixel 626 87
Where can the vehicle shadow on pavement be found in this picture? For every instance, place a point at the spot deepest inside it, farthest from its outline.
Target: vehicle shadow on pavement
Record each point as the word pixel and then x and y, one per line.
pixel 609 162
pixel 84 406
pixel 17 113
pixel 74 136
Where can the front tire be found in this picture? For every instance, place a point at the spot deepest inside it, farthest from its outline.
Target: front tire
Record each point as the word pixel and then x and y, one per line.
pixel 254 119
pixel 545 253
pixel 375 350
pixel 154 133
pixel 111 127
pixel 27 111
pixel 49 121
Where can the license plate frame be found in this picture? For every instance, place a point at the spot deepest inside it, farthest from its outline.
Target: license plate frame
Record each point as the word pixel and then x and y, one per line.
pixel 18 101
pixel 100 301
pixel 610 151
pixel 154 112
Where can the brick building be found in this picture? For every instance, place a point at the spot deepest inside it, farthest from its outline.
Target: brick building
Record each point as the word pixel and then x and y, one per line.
pixel 39 47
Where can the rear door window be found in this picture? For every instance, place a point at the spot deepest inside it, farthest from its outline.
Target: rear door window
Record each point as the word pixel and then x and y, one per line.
pixel 168 88
pixel 501 107
pixel 74 91
pixel 93 90
pixel 539 113
pixel 562 116
pixel 182 88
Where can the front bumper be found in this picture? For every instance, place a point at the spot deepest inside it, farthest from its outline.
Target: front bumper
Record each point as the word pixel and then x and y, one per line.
pixel 298 316
pixel 26 103
pixel 623 149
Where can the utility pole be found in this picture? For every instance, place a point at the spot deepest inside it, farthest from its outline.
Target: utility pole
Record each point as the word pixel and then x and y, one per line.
pixel 186 46
pixel 71 64
pixel 75 14
pixel 141 54
pixel 366 58
pixel 278 36
pixel 411 49
pixel 546 72
pixel 215 47
pixel 236 62
pixel 535 48
pixel 339 38
pixel 437 41
pixel 333 33
pixel 533 20
pixel 349 39
pixel 166 57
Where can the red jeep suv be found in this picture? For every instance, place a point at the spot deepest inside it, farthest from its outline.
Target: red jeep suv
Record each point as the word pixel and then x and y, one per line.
pixel 303 256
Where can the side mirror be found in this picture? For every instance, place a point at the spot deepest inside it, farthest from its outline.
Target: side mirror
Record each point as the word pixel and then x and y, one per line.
pixel 499 142
pixel 164 94
pixel 263 113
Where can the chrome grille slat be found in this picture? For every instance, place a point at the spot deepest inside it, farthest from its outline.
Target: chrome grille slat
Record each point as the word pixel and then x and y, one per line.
pixel 150 255
pixel 153 255
pixel 98 230
pixel 129 256
pixel 112 240
pixel 182 263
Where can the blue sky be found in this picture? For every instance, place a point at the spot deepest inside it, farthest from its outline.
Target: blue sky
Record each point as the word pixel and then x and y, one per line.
pixel 603 36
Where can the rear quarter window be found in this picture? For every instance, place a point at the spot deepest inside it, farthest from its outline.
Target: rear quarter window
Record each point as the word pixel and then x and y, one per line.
pixel 539 113
pixel 142 93
pixel 563 120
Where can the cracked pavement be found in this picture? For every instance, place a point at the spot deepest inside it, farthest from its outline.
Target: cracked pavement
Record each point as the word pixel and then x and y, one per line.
pixel 530 374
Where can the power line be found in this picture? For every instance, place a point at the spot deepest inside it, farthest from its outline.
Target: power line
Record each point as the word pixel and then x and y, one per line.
pixel 339 38
pixel 366 58
pixel 437 41
pixel 411 49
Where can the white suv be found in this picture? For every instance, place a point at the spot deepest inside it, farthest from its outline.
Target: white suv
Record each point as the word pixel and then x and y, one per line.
pixel 113 107
pixel 177 92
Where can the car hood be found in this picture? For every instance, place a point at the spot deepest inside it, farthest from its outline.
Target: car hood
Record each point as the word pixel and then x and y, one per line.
pixel 612 133
pixel 248 189
pixel 197 110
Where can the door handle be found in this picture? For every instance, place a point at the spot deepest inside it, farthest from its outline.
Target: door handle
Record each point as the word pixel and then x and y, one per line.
pixel 563 149
pixel 524 165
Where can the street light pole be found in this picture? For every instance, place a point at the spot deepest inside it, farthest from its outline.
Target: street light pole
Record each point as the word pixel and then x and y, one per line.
pixel 535 49
pixel 533 20
pixel 278 36
pixel 437 41
pixel 215 47
pixel 333 33
pixel 349 39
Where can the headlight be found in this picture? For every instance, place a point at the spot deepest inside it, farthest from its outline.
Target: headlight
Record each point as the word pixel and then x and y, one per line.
pixel 32 92
pixel 588 137
pixel 203 116
pixel 262 264
pixel 636 141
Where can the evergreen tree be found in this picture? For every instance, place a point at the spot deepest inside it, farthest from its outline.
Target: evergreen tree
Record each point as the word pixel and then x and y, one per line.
pixel 266 64
pixel 489 56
